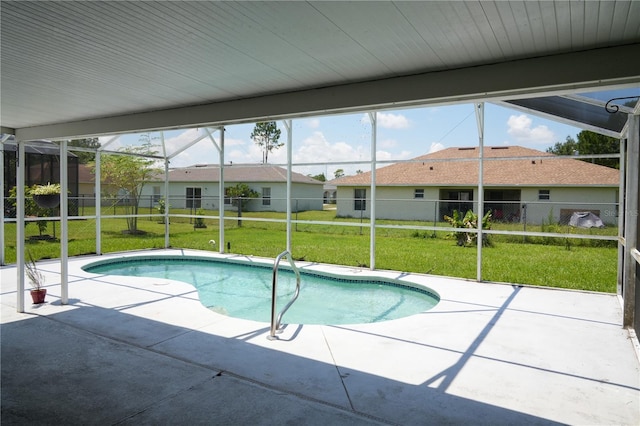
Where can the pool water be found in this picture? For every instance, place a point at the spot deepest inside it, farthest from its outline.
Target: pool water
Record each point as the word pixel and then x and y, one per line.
pixel 244 291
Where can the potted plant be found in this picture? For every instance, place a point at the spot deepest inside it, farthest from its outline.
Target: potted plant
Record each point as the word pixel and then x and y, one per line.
pixel 36 278
pixel 46 196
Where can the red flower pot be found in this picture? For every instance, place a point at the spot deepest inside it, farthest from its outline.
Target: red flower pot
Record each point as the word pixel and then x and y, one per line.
pixel 38 296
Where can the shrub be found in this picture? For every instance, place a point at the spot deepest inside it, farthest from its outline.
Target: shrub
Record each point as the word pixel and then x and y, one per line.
pixel 469 221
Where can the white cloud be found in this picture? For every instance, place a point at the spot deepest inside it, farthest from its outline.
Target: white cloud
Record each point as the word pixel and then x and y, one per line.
pixel 435 147
pixel 179 141
pixel 113 146
pixel 386 155
pixel 519 127
pixel 317 149
pixel 387 143
pixel 392 121
pixel 313 123
pixel 204 151
pixel 388 120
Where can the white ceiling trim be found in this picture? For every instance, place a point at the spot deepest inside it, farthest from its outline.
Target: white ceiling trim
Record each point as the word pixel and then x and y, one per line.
pixel 559 74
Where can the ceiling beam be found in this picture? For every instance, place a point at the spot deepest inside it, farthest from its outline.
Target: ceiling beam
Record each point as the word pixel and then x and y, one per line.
pixel 557 74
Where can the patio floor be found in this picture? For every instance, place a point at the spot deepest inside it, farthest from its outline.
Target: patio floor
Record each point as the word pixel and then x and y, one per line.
pixel 145 351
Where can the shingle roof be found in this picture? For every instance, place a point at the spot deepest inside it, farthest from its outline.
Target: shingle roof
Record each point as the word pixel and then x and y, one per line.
pixel 85 174
pixel 459 166
pixel 236 173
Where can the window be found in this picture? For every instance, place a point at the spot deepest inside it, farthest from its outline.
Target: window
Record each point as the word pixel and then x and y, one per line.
pixel 418 193
pixel 266 196
pixel 544 194
pixel 194 198
pixel 360 195
pixel 156 194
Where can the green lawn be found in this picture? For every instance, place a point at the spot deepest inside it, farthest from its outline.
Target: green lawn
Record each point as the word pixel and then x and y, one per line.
pixel 583 264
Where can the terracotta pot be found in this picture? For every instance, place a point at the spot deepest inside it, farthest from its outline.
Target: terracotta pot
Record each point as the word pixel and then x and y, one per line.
pixel 47 201
pixel 38 296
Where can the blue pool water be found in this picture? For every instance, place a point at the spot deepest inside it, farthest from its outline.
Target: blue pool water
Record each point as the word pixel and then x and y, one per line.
pixel 244 291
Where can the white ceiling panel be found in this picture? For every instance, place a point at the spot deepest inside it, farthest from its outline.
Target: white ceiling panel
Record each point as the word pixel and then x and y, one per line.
pixel 72 62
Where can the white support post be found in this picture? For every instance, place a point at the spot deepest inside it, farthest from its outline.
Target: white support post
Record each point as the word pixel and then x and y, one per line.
pixel 621 216
pixel 167 243
pixel 221 194
pixel 167 204
pixel 287 125
pixel 631 221
pixel 20 171
pixel 220 149
pixel 98 203
pixel 64 223
pixel 373 117
pixel 480 121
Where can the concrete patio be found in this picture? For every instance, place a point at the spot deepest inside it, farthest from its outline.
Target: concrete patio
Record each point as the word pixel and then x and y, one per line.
pixel 145 351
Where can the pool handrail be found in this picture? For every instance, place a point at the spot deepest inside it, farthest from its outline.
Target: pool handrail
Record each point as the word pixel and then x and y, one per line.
pixel 275 322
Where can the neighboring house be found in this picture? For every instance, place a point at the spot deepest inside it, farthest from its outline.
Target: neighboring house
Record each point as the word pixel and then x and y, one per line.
pixel 531 189
pixel 87 189
pixel 197 187
pixel 330 193
pixel 86 186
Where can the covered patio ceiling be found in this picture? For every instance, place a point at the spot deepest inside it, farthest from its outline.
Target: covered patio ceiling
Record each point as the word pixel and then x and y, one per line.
pixel 73 69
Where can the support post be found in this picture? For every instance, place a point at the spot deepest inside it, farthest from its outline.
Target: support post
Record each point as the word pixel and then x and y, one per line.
pixel 64 223
pixel 287 125
pixel 631 221
pixel 221 243
pixel 480 121
pixel 373 117
pixel 20 172
pixel 98 203
pixel 621 216
pixel 167 243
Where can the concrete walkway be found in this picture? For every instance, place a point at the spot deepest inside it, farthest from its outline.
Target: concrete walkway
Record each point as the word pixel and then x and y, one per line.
pixel 145 351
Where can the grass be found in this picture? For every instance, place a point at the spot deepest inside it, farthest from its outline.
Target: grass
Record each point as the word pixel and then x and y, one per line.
pixel 545 261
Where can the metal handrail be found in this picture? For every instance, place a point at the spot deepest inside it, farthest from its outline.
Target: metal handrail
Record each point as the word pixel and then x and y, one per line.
pixel 275 322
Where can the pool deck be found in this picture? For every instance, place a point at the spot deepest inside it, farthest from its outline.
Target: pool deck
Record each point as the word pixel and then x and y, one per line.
pixel 145 351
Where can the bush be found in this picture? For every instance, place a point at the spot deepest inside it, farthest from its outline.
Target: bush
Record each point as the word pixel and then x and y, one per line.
pixel 469 221
pixel 198 222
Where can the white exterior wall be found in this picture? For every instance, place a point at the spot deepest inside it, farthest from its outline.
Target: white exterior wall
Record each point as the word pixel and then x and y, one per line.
pixel 399 203
pixel 309 195
pixel 600 199
pixel 304 196
pixel 392 202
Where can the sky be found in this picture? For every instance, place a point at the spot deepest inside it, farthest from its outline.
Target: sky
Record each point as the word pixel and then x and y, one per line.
pixel 401 134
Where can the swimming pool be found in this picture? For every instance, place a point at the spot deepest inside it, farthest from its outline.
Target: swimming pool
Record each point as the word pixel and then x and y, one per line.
pixel 243 290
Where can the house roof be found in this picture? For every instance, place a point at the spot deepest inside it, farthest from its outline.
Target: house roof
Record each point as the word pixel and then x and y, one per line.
pixel 459 166
pixel 85 174
pixel 236 173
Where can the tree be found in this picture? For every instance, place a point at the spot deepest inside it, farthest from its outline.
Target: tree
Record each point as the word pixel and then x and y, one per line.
pixel 338 173
pixel 240 195
pixel 267 135
pixel 30 207
pixel 124 177
pixel 85 157
pixel 321 177
pixel 590 143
